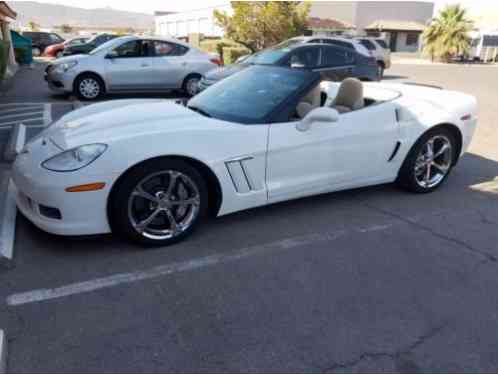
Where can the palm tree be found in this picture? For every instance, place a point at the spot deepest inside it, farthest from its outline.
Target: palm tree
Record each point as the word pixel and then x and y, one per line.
pixel 447 36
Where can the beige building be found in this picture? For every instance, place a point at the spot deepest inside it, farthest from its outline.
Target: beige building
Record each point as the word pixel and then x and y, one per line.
pixel 400 22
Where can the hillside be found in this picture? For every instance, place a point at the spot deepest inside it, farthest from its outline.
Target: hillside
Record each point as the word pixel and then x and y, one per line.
pixel 50 15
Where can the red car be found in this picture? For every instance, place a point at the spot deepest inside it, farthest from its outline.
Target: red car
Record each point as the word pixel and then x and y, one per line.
pixel 56 50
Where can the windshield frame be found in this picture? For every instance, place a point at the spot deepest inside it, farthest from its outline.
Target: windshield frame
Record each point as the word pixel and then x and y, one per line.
pixel 276 114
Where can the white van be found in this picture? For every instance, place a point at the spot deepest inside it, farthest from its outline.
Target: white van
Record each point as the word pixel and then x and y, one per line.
pixel 484 45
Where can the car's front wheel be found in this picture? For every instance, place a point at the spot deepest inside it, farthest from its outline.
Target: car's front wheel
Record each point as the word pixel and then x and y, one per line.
pixel 429 162
pixel 381 68
pixel 89 87
pixel 36 51
pixel 191 85
pixel 158 203
pixel 59 54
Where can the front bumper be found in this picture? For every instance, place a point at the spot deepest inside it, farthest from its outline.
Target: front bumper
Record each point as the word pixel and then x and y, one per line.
pixel 38 189
pixel 59 82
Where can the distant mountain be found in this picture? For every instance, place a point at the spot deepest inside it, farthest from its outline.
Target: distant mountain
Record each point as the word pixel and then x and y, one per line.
pixel 51 15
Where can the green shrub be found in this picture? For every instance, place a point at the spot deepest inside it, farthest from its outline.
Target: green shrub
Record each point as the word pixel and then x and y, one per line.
pixel 4 57
pixel 231 54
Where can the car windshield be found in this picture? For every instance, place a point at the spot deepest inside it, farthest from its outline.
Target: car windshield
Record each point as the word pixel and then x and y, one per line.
pixel 268 56
pixel 291 42
pixel 368 44
pixel 382 43
pixel 250 96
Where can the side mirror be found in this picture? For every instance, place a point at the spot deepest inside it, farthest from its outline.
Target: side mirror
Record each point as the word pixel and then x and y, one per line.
pixel 111 55
pixel 322 114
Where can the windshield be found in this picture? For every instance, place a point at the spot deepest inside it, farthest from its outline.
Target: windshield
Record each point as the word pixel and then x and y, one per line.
pixel 250 96
pixel 268 56
pixel 291 42
pixel 382 43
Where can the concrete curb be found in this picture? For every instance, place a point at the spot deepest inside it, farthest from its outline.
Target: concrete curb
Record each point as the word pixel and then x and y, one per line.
pixel 16 142
pixel 47 114
pixel 8 220
pixel 3 352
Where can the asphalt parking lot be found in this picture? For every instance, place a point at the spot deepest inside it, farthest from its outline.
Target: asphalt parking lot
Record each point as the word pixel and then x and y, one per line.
pixel 370 280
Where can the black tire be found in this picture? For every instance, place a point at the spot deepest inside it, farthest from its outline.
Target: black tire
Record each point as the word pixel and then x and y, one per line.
pixel 59 55
pixel 382 69
pixel 36 52
pixel 120 213
pixel 191 80
pixel 88 77
pixel 407 177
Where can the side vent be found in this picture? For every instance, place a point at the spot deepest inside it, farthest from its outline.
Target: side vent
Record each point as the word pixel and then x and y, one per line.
pixel 239 173
pixel 395 152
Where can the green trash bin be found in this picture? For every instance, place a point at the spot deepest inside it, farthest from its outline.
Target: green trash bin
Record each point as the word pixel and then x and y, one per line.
pixel 22 48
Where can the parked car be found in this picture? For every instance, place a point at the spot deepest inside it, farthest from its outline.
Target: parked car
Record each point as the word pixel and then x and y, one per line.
pixel 381 54
pixel 333 62
pixel 41 40
pixel 57 50
pixel 151 170
pixel 335 40
pixel 90 45
pixel 131 64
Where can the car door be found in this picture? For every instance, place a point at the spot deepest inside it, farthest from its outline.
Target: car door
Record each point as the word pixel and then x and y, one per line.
pixel 129 67
pixel 336 63
pixel 353 151
pixel 169 64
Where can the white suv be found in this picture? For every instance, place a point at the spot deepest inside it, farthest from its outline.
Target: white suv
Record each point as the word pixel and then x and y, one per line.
pixel 381 54
pixel 131 64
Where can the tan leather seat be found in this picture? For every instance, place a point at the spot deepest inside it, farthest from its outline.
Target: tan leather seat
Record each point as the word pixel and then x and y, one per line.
pixel 350 96
pixel 311 101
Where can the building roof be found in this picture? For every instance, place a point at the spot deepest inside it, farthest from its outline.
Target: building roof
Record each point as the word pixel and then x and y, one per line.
pixel 6 10
pixel 396 25
pixel 316 23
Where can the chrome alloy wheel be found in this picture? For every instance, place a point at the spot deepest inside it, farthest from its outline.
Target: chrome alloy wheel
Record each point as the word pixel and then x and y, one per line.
pixel 433 162
pixel 89 88
pixel 164 205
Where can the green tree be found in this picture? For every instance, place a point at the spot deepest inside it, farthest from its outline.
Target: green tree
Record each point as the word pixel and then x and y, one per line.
pixel 33 26
pixel 260 24
pixel 447 36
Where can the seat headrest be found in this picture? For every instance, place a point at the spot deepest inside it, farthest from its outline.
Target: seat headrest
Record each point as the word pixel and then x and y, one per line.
pixel 350 94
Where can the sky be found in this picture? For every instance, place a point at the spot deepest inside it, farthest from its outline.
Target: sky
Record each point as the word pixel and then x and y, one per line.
pixel 149 6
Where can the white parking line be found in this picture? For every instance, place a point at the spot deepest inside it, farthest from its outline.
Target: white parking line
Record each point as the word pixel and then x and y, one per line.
pixel 41 295
pixel 21 110
pixel 3 352
pixel 47 114
pixel 21 115
pixel 7 125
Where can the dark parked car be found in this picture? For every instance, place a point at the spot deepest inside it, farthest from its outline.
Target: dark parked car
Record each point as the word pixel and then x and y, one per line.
pixel 41 40
pixel 333 62
pixel 87 47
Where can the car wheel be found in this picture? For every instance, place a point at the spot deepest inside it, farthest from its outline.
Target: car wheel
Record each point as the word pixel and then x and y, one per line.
pixel 191 85
pixel 159 203
pixel 381 70
pixel 89 87
pixel 59 54
pixel 429 162
pixel 36 52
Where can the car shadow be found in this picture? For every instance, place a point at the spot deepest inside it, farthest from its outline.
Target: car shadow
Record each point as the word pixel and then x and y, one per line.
pixel 388 77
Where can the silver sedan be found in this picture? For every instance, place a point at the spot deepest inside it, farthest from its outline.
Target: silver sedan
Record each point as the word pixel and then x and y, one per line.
pixel 131 64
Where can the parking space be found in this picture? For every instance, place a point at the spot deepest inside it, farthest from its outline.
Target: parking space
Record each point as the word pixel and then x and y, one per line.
pixel 370 280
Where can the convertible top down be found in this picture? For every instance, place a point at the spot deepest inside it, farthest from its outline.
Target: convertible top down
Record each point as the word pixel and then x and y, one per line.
pixel 151 169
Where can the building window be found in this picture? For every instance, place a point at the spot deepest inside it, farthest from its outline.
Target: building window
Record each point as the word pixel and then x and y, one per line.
pixel 412 39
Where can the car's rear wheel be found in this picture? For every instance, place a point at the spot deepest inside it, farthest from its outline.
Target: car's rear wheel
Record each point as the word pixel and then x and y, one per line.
pixel 89 87
pixel 159 203
pixel 429 162
pixel 36 51
pixel 381 68
pixel 191 85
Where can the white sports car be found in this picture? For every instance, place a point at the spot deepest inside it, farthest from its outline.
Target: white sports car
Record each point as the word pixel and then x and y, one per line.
pixel 151 169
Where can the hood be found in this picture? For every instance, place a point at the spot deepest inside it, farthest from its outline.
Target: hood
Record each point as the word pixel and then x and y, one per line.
pixel 105 122
pixel 221 73
pixel 68 59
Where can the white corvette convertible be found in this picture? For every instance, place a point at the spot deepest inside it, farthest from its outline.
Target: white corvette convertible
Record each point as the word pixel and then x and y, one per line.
pixel 151 170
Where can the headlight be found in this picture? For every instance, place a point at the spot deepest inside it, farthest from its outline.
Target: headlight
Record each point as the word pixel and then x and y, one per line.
pixel 64 67
pixel 74 159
